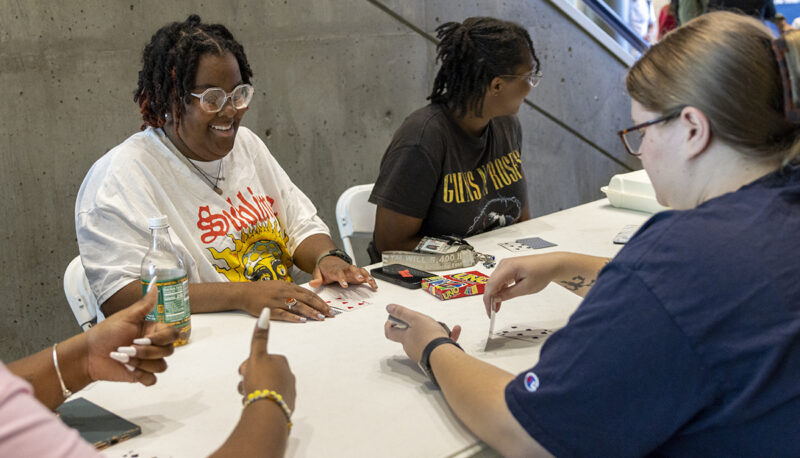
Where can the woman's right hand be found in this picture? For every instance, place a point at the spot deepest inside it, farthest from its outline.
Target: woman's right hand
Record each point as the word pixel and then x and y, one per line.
pixel 263 371
pixel 519 276
pixel 287 301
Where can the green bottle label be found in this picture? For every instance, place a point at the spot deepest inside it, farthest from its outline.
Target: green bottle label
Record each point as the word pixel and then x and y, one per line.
pixel 173 302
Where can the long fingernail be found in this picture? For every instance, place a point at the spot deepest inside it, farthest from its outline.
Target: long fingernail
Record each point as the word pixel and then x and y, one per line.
pixel 263 319
pixel 121 357
pixel 130 351
pixel 153 282
pixel 142 341
pixel 130 368
pixel 303 319
pixel 320 316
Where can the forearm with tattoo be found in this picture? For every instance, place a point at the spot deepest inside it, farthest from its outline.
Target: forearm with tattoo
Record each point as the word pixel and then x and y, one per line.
pixel 577 282
pixel 580 273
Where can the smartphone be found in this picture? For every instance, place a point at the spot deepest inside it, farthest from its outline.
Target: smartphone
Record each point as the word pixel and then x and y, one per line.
pixel 398 274
pixel 625 234
pixel 95 424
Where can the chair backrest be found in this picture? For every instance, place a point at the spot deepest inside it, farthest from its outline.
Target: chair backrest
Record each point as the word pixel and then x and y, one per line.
pixel 355 216
pixel 79 295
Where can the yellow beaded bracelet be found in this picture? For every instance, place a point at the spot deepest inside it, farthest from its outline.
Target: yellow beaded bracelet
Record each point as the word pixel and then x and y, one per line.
pixel 274 397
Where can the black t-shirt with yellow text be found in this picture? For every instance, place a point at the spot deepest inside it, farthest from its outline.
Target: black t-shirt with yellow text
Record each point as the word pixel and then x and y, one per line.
pixel 458 184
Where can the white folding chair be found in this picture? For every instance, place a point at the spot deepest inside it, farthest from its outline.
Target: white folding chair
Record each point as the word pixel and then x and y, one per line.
pixel 79 295
pixel 355 215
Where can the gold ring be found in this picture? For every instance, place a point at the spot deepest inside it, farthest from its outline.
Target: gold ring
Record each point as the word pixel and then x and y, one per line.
pixel 290 302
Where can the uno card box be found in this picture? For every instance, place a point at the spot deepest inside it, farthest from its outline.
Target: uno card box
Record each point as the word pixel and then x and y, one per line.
pixel 455 285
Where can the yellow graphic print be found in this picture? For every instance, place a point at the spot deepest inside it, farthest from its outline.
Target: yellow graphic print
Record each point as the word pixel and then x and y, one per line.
pixel 461 187
pixel 261 254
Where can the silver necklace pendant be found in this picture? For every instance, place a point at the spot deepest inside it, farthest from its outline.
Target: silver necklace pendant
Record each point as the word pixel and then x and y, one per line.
pixel 192 166
pixel 208 177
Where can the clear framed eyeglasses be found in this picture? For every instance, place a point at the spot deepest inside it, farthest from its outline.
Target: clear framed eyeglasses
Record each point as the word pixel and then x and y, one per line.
pixel 213 99
pixel 532 78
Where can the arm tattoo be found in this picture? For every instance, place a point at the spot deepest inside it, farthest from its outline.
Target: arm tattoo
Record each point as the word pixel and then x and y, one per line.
pixel 577 283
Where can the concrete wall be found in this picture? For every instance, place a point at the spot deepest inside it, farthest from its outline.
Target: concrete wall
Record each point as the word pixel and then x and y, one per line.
pixel 334 79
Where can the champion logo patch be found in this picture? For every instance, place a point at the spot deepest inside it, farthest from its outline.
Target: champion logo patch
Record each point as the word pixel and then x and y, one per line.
pixel 531 382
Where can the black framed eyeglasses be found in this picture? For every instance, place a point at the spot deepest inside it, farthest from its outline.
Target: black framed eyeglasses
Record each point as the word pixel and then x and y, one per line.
pixel 213 99
pixel 632 136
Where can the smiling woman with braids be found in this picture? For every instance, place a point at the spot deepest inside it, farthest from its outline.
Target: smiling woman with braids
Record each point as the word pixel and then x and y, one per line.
pixel 454 167
pixel 234 214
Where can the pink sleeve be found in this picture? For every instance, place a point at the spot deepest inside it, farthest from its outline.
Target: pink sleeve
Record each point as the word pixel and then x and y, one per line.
pixel 28 428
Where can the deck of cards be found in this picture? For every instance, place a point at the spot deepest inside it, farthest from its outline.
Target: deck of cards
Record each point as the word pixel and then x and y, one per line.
pixel 455 285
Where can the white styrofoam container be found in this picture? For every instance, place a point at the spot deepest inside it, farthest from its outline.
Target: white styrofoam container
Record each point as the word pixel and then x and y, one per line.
pixel 633 191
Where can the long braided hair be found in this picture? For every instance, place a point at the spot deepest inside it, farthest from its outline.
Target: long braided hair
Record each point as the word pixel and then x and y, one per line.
pixel 169 65
pixel 472 54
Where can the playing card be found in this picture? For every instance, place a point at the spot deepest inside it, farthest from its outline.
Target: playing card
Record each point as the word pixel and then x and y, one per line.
pixel 346 304
pixel 524 332
pixel 345 299
pixel 536 243
pixel 526 244
pixel 491 327
pixel 514 246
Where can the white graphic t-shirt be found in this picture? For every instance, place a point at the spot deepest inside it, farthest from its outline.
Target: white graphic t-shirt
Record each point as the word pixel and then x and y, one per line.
pixel 248 233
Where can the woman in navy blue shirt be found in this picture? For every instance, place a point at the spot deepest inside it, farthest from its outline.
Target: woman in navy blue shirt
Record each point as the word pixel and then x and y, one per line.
pixel 688 342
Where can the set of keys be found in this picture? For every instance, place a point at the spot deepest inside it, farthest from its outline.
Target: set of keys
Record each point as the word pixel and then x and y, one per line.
pixel 449 244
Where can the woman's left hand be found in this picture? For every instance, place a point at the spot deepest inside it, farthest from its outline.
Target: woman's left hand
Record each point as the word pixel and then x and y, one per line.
pixel 421 330
pixel 332 269
pixel 138 347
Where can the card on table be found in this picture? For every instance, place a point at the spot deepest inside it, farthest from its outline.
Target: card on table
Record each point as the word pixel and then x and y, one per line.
pixel 514 247
pixel 530 243
pixel 345 299
pixel 524 332
pixel 344 304
pixel 536 243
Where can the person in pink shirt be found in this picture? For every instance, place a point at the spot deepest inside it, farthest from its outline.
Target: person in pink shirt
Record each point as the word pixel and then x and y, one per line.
pixel 125 348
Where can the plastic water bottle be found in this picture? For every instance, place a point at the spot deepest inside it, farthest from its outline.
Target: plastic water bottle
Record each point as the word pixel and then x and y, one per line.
pixel 163 260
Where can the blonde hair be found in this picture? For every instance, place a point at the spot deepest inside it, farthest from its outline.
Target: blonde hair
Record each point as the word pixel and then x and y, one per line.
pixel 723 64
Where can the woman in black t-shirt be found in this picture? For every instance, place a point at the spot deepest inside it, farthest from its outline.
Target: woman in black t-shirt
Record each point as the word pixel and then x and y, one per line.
pixel 454 167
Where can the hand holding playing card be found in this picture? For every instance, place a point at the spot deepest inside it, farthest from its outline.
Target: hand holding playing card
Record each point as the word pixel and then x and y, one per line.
pixel 420 331
pixel 519 276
